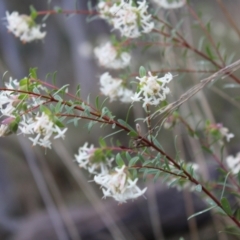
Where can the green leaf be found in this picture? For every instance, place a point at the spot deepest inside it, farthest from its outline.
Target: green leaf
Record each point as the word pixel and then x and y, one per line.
pixel 142 72
pixel 90 125
pixel 57 97
pixel 63 89
pixel 102 142
pixel 156 143
pixel 128 156
pixel 45 110
pixel 237 214
pixel 200 43
pixel 58 107
pixel 23 82
pixel 226 206
pixel 13 126
pixel 57 9
pixel 156 176
pixel 132 134
pixel 231 230
pixel 133 161
pixel 122 122
pixel 206 149
pixel 33 73
pixel 209 52
pixel 201 212
pixel 58 122
pixel 97 102
pixel 119 160
pixel 33 12
pixel 224 185
pixel 148 163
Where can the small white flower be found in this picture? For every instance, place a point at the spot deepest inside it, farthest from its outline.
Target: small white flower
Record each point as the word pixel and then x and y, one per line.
pixel 225 132
pixel 110 86
pixel 119 185
pixel 60 132
pixel 170 4
pixel 129 19
pixel 113 88
pixel 43 128
pixel 24 27
pixel 234 163
pixel 109 57
pixel 125 95
pixel 136 97
pixel 8 98
pixel 152 88
pixel 94 164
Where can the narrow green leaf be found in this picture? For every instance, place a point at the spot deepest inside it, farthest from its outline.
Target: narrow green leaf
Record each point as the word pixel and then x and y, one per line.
pixel 148 163
pixel 57 97
pixel 133 161
pixel 57 9
pixel 142 72
pixel 97 103
pixel 156 176
pixel 119 160
pixel 23 82
pixel 45 110
pixel 237 214
pixel 102 142
pixel 113 133
pixel 128 156
pixel 206 149
pixel 132 134
pixel 122 122
pixel 33 12
pixel 226 206
pixel 224 185
pixel 58 123
pixel 156 143
pixel 90 125
pixel 201 212
pixel 61 90
pixel 33 73
pixel 209 52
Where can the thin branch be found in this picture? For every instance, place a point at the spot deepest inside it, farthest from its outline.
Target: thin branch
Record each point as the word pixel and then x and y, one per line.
pixel 206 33
pixel 228 17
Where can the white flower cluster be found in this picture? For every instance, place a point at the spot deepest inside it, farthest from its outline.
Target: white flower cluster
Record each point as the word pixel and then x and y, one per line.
pixel 152 89
pixel 9 99
pixel 129 19
pixel 170 4
pixel 113 88
pixel 109 57
pixel 114 183
pixel 23 27
pixel 119 185
pixel 88 161
pixel 41 125
pixel 219 131
pixel 234 163
pixel 225 132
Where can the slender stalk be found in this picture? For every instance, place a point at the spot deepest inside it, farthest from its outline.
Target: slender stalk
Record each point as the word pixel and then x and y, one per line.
pixel 229 17
pixel 206 33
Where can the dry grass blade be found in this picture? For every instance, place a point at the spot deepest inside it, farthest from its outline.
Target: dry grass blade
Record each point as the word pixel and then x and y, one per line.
pixel 195 89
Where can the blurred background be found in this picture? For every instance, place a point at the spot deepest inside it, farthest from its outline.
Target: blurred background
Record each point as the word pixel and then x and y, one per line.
pixel 44 195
